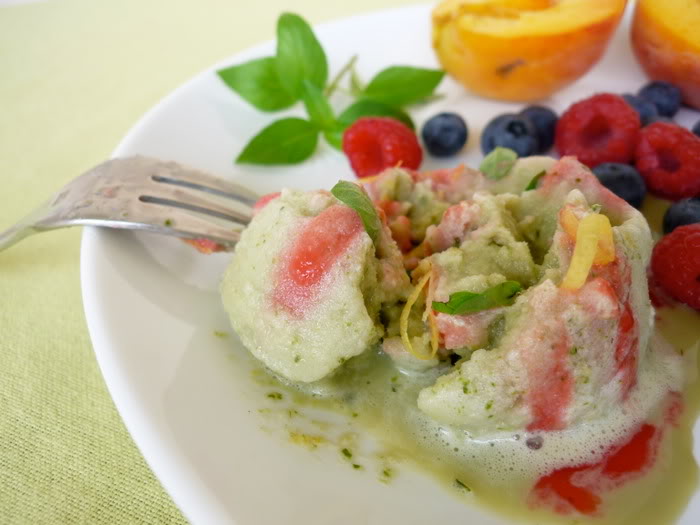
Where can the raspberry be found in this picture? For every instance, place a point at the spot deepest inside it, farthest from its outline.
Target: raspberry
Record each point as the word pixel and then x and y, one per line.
pixel 601 128
pixel 675 264
pixel 373 144
pixel 668 157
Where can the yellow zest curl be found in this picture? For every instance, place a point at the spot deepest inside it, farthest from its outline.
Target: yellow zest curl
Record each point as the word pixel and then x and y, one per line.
pixel 606 248
pixel 593 236
pixel 403 320
pixel 434 334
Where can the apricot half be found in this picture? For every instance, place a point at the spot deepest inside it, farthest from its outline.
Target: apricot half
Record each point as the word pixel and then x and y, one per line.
pixel 666 41
pixel 522 50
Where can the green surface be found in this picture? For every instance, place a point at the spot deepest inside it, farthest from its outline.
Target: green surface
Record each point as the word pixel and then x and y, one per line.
pixel 74 76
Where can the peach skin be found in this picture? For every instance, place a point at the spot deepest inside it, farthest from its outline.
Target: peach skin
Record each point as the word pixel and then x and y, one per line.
pixel 666 42
pixel 522 50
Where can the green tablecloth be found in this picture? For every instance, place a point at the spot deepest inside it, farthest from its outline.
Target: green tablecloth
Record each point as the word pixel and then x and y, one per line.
pixel 74 76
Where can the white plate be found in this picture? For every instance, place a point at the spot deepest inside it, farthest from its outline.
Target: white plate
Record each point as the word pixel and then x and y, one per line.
pixel 152 307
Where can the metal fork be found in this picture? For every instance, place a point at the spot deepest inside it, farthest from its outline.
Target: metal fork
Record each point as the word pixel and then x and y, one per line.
pixel 142 193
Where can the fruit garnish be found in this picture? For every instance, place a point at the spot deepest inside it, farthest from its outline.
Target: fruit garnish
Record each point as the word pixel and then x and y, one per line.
pixel 593 236
pixel 666 43
pixel 686 211
pixel 623 180
pixel 406 312
pixel 355 197
pixel 373 144
pixel 601 128
pixel 570 223
pixel 665 96
pixel 521 50
pixel 299 72
pixel 444 134
pixel 644 108
pixel 545 122
pixel 668 157
pixel 510 131
pixel 675 264
pixel 502 294
pixel 498 163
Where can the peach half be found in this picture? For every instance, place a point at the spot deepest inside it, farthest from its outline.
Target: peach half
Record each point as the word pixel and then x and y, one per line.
pixel 666 41
pixel 522 50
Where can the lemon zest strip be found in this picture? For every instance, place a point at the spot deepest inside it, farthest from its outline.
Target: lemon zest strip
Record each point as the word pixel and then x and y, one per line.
pixel 593 230
pixel 606 246
pixel 434 334
pixel 403 320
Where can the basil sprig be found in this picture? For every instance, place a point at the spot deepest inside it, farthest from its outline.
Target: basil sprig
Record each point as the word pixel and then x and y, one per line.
pixel 353 195
pixel 299 72
pixel 469 302
pixel 535 181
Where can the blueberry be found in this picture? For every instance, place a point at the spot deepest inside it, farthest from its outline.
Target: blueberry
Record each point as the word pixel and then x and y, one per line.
pixel 666 97
pixel 444 134
pixel 686 211
pixel 545 121
pixel 647 110
pixel 510 131
pixel 623 180
pixel 696 128
pixel 659 118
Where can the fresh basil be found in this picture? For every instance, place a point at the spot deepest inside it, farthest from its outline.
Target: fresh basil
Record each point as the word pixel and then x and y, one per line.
pixel 353 195
pixel 286 141
pixel 535 180
pixel 317 106
pixel 498 163
pixel 403 85
pixel 257 82
pixel 334 136
pixel 299 55
pixel 299 71
pixel 373 108
pixel 363 108
pixel 468 302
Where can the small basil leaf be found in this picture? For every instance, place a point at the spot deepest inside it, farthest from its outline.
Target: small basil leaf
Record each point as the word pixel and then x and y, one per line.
pixel 535 180
pixel 317 106
pixel 403 85
pixel 334 136
pixel 287 141
pixel 468 302
pixel 373 108
pixel 257 82
pixel 299 55
pixel 354 196
pixel 498 163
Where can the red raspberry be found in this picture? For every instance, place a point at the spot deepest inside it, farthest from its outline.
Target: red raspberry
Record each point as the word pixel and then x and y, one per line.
pixel 668 157
pixel 602 128
pixel 375 143
pixel 675 264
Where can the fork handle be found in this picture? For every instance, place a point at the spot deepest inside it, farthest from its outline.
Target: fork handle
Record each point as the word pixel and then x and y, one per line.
pixel 15 234
pixel 31 224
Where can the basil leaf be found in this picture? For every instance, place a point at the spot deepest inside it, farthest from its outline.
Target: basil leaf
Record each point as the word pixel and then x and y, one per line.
pixel 299 55
pixel 257 82
pixel 287 141
pixel 498 163
pixel 468 302
pixel 535 180
pixel 403 85
pixel 354 196
pixel 373 108
pixel 363 108
pixel 317 106
pixel 334 136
